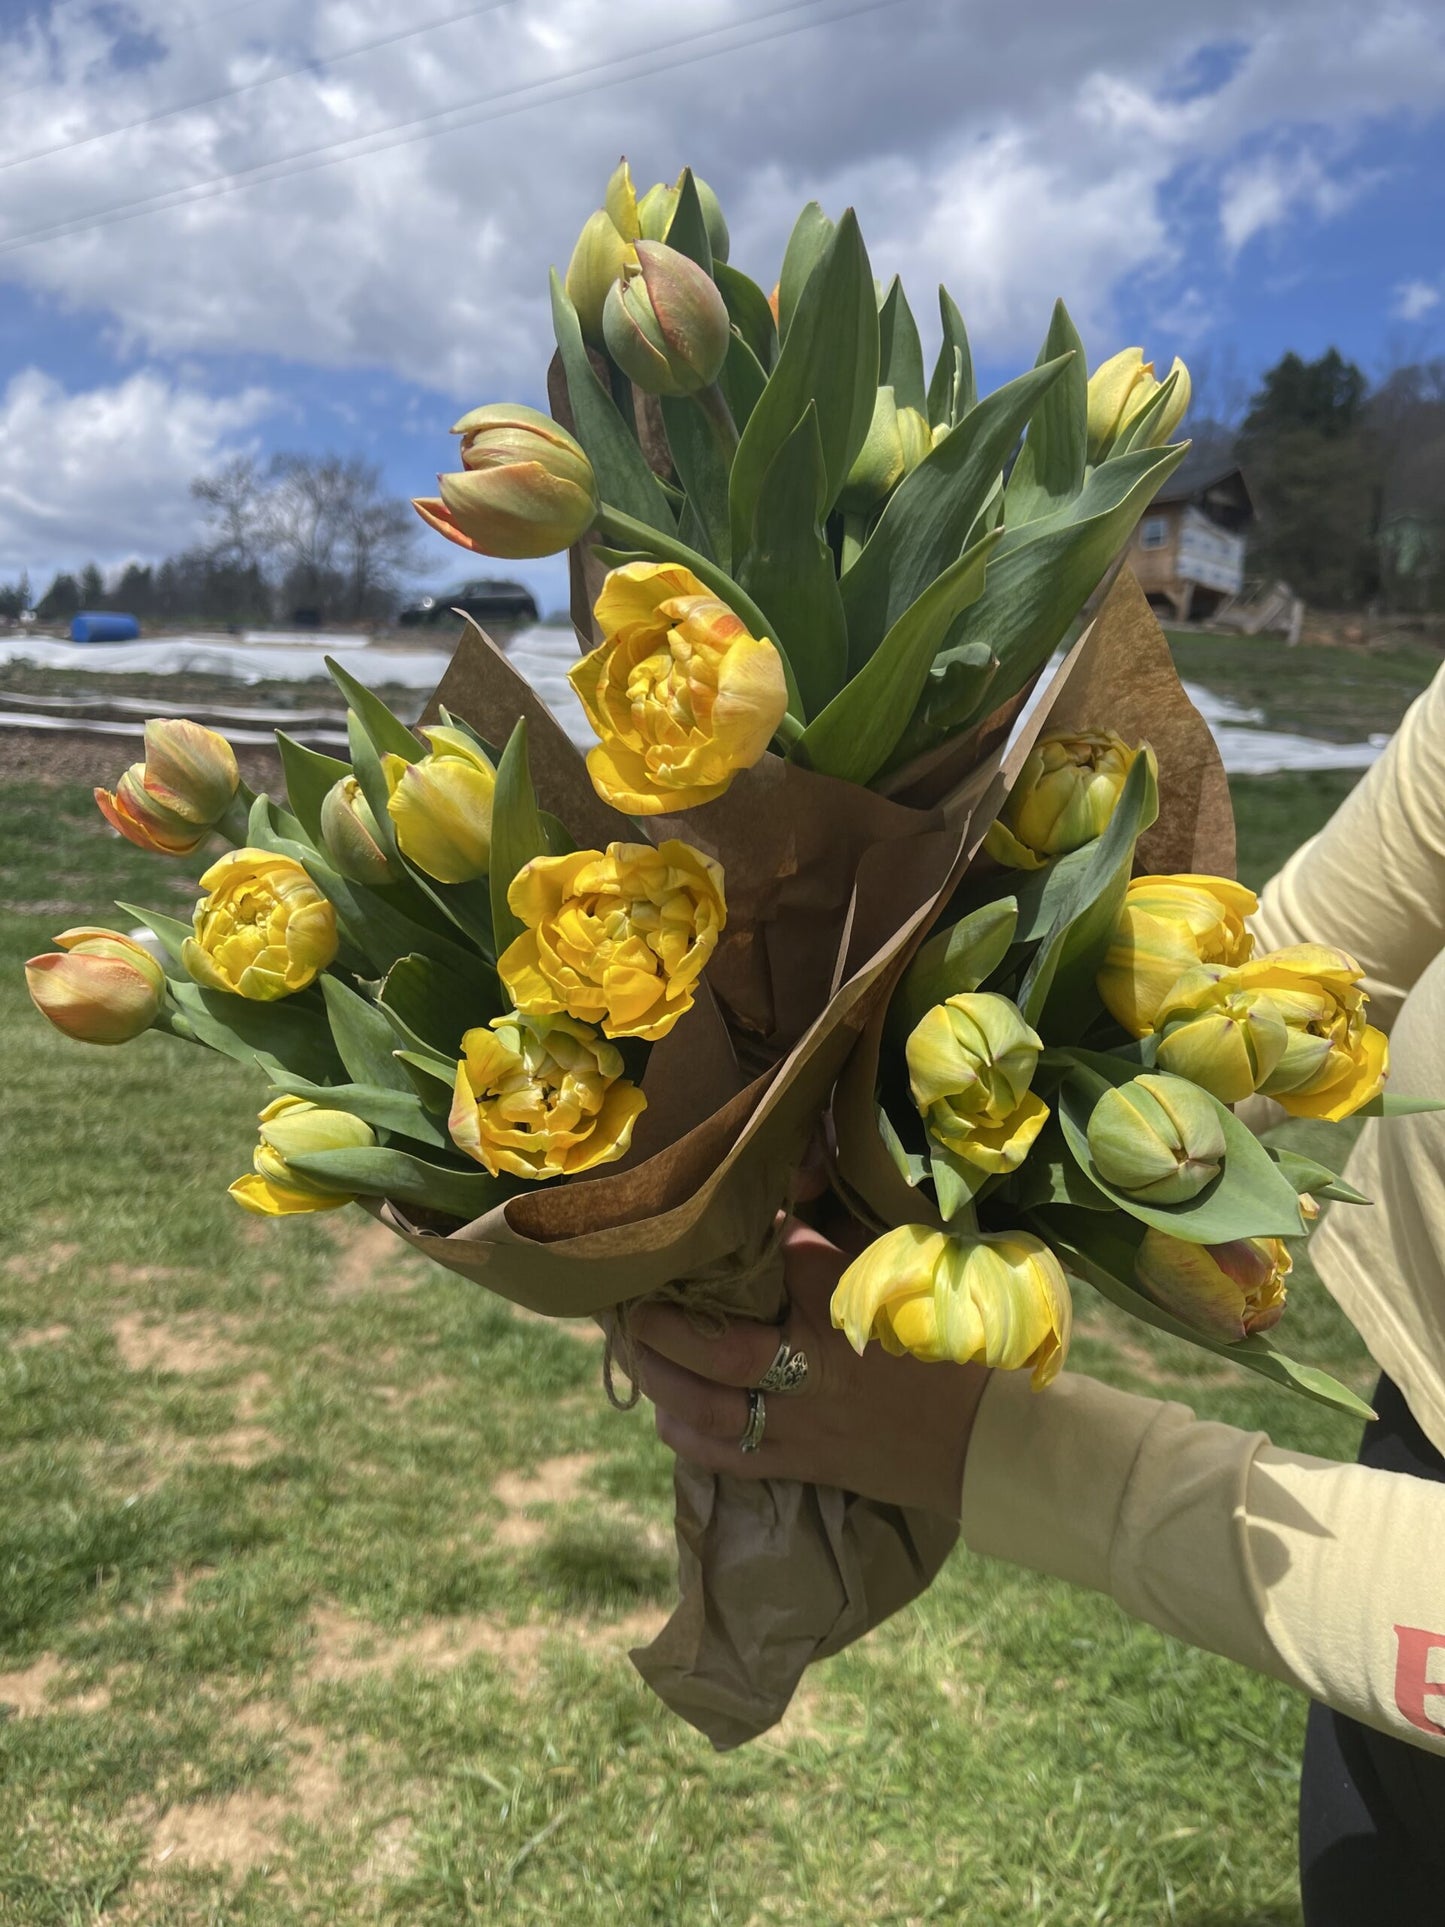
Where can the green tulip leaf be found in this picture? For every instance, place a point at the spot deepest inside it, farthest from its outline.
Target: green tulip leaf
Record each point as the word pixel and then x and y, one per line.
pixel 1043 574
pixel 1092 1249
pixel 379 1172
pixel 687 230
pixel 742 381
pixel 1305 1174
pixel 955 1182
pixel 900 352
pixel 432 1077
pixel 956 960
pixel 435 1007
pixel 807 244
pixel 387 732
pixel 787 567
pixel 749 313
pixel 1050 469
pixel 952 389
pixel 169 932
pixel 287 1036
pixel 1250 1198
pixel 1397 1104
pixel 309 776
pixel 912 1166
pixel 829 357
pixel 518 833
pixel 857 732
pixel 370 774
pixel 623 478
pixel 1144 426
pixel 702 469
pixel 924 525
pixel 387 1108
pixel 362 1035
pixel 1058 986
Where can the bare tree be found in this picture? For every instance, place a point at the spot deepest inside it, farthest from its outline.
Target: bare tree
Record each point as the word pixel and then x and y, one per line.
pixel 234 503
pixel 338 540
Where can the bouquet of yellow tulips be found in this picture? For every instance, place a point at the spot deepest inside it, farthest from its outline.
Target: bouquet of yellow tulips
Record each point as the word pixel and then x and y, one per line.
pixel 570 1025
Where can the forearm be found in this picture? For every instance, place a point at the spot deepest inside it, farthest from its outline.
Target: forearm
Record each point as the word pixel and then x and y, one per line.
pixel 1330 1577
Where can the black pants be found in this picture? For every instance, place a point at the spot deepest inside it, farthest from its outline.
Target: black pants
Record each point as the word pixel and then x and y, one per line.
pixel 1372 1809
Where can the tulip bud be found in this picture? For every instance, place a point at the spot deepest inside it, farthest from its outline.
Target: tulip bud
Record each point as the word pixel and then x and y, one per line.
pixel 99 988
pixel 1227 1291
pixel 658 206
pixel 600 257
pixel 916 435
pixel 441 806
pixel 1158 1138
pixel 880 464
pixel 1175 409
pixel 527 489
pixel 667 326
pixel 172 801
pixel 1118 388
pixel 971 1061
pixel 294 1127
pixel 352 836
pixel 1220 1032
pixel 619 203
pixel 1064 797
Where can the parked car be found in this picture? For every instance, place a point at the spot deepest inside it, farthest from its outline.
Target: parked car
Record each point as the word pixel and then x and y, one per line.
pixel 498 600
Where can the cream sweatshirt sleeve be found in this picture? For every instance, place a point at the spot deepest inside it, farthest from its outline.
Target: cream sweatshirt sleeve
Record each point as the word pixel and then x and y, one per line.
pixel 1329 1577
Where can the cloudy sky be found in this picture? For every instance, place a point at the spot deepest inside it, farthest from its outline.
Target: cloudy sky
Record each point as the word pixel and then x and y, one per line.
pixel 260 224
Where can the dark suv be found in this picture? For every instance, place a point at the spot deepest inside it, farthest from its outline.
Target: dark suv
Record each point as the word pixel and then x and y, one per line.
pixel 487 600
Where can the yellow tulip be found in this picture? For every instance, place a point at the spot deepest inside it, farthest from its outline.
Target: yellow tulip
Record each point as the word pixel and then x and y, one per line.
pixel 441 806
pixel 526 488
pixel 172 801
pixel 1290 1024
pixel 678 692
pixel 1114 385
pixel 295 1127
pixel 263 931
pixel 998 1299
pixel 666 325
pixel 1065 794
pixel 1168 925
pixel 616 937
pixel 619 202
pixel 1158 1138
pixel 970 1063
pixel 541 1097
pixel 1227 1291
pixel 601 257
pixel 98 987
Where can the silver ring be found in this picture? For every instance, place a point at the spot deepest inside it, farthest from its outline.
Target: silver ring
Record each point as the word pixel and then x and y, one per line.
pixel 788 1371
pixel 757 1423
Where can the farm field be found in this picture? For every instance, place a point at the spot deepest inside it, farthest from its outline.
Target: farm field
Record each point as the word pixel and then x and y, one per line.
pixel 318 1570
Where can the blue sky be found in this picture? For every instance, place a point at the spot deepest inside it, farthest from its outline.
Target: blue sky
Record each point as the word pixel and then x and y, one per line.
pixel 1272 178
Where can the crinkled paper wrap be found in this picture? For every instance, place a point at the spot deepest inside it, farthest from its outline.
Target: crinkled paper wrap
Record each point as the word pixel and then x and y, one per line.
pixel 827 888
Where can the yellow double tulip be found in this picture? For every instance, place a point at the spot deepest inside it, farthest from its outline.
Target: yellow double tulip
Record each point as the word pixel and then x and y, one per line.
pixel 1066 793
pixel 995 1299
pixel 1168 925
pixel 970 1063
pixel 441 806
pixel 264 930
pixel 295 1127
pixel 616 937
pixel 1290 1024
pixel 679 694
pixel 1227 1291
pixel 541 1097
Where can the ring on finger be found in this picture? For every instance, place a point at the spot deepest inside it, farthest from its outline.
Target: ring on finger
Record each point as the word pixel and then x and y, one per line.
pixel 788 1371
pixel 757 1423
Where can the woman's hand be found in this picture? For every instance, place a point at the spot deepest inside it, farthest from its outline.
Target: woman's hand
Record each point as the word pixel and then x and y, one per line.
pixel 893 1429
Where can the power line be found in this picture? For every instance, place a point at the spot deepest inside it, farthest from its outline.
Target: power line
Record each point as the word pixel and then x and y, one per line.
pixel 486 107
pixel 250 86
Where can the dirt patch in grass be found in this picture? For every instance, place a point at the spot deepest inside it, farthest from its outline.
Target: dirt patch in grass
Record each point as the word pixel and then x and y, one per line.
pixel 31 1266
pixel 367 1263
pixel 191 1345
pixel 242 1445
pixel 555 1482
pixel 26 1694
pixel 39 1335
pixel 586 1330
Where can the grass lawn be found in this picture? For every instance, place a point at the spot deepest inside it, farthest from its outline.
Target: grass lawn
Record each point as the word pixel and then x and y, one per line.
pixel 1338 694
pixel 318 1569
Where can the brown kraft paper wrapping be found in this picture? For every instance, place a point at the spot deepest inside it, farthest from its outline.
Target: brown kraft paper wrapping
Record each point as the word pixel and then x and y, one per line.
pixel 772 1574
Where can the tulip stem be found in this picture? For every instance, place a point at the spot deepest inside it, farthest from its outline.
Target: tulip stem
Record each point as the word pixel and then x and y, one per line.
pixel 854 526
pixel 625 532
pixel 713 403
pixel 235 822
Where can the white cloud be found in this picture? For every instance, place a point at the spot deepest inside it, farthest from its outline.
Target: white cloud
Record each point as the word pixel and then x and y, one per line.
pixel 1033 154
pixel 105 474
pixel 1413 300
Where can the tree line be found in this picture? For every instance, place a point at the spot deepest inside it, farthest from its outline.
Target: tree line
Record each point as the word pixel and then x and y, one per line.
pixel 300 538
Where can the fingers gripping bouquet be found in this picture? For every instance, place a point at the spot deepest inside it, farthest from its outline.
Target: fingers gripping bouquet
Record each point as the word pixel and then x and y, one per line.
pixel 569 1025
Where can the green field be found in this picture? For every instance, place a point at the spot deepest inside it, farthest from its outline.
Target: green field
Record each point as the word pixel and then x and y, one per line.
pixel 318 1569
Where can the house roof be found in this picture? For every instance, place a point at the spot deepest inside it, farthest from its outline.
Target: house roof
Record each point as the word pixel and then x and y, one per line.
pixel 1202 474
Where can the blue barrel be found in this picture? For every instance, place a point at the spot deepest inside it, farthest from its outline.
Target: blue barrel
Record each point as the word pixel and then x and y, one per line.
pixel 103 627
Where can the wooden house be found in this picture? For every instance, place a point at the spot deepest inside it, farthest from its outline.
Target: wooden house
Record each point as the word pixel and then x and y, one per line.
pixel 1188 550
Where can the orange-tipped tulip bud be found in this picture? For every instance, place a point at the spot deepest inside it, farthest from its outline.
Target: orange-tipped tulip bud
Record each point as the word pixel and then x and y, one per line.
pixel 667 326
pixel 98 987
pixel 526 488
pixel 172 801
pixel 1227 1291
pixel 352 836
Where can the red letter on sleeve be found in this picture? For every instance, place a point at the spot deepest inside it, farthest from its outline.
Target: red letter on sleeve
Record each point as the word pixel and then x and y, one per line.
pixel 1413 1684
